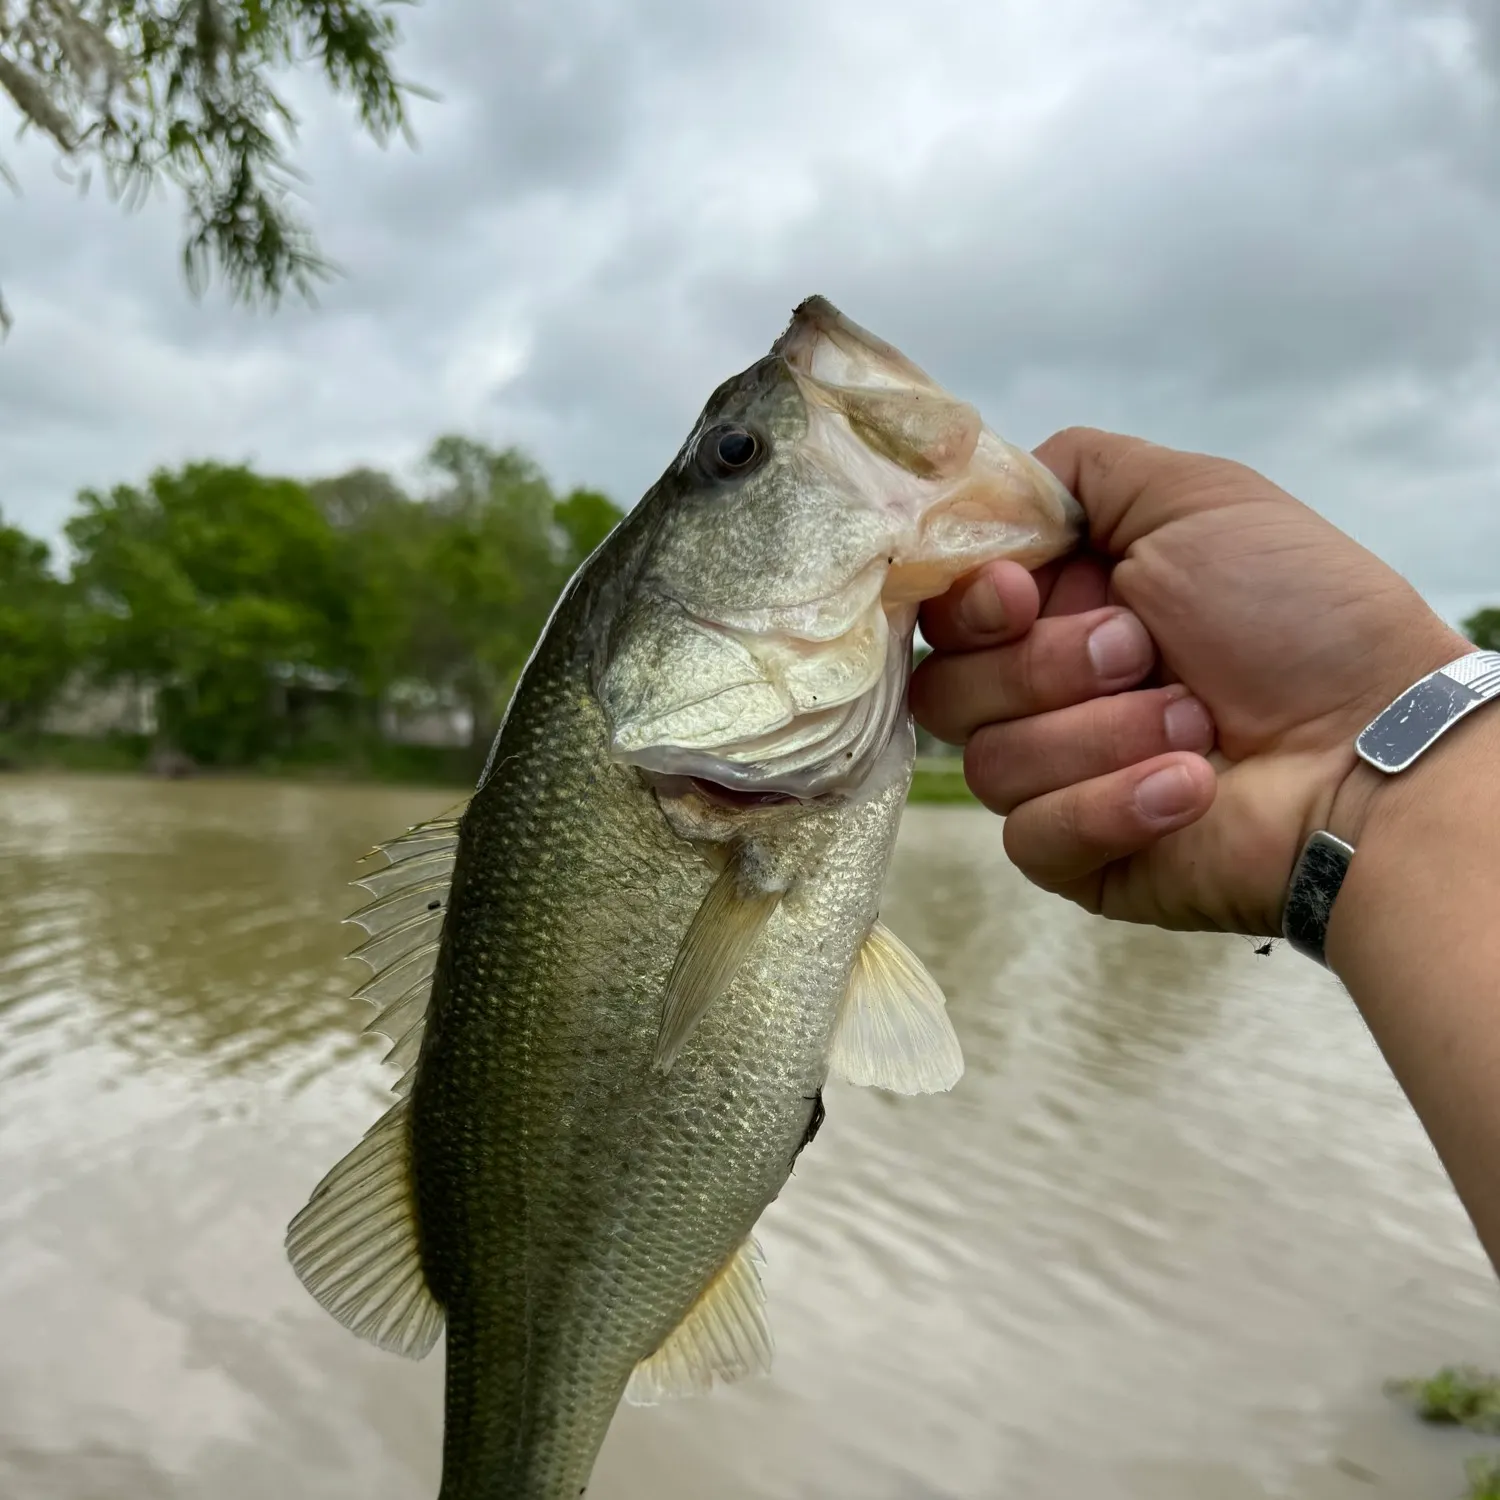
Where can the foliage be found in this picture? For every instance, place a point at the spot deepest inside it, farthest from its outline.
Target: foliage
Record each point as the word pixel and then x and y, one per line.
pixel 1458 1395
pixel 185 91
pixel 1484 1478
pixel 61 752
pixel 274 619
pixel 452 588
pixel 586 517
pixel 36 635
pixel 1484 629
pixel 941 779
pixel 209 584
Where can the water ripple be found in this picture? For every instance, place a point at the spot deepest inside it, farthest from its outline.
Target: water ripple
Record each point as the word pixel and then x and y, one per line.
pixel 1165 1240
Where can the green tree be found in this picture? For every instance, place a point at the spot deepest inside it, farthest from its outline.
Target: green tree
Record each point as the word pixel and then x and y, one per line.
pixel 382 537
pixel 495 562
pixel 182 91
pixel 219 587
pixel 1484 629
pixel 586 518
pixel 36 639
pixel 450 590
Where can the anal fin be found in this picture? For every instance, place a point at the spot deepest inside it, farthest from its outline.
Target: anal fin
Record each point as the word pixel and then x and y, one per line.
pixel 893 1029
pixel 355 1247
pixel 725 1337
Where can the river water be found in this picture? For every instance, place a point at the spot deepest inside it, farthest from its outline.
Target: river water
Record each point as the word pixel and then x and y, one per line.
pixel 1164 1242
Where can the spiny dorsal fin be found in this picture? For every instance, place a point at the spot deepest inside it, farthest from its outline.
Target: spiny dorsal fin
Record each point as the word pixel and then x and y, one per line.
pixel 354 1246
pixel 722 931
pixel 403 924
pixel 724 1337
pixel 893 1029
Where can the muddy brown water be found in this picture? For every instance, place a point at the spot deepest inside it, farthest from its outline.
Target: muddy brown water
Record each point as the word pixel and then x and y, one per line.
pixel 1164 1242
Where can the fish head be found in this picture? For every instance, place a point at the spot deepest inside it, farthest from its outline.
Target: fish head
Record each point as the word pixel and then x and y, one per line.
pixel 765 643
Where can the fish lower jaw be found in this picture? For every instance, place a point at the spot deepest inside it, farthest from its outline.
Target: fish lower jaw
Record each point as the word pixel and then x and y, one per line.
pixel 734 796
pixel 741 797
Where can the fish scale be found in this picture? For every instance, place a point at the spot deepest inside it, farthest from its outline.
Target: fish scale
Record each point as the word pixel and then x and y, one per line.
pixel 585 1212
pixel 659 935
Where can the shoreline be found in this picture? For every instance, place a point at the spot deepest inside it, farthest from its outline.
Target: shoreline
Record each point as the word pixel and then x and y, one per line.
pixel 937 780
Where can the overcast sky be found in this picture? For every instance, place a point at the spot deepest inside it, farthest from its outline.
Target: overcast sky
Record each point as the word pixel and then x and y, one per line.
pixel 1268 228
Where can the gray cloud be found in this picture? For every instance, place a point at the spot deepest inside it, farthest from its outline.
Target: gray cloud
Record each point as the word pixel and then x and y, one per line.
pixel 1268 229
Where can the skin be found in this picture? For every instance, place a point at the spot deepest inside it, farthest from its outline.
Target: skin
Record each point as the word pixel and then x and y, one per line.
pixel 1165 719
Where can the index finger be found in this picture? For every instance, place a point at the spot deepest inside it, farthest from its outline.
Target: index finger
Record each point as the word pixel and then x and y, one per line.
pixel 1129 487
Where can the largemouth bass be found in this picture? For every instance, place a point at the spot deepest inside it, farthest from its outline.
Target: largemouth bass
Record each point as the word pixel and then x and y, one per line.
pixel 620 979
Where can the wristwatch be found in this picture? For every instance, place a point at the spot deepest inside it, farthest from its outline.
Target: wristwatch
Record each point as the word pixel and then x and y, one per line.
pixel 1393 740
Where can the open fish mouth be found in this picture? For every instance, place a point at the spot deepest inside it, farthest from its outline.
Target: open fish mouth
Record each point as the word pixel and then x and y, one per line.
pixel 815 743
pixel 787 677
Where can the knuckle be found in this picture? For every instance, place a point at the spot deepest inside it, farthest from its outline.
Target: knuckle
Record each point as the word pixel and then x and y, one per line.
pixel 988 766
pixel 1122 734
pixel 1029 845
pixel 1027 671
pixel 1041 671
pixel 1064 820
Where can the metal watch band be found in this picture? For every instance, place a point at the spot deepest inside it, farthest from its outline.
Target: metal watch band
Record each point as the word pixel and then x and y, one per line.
pixel 1320 872
pixel 1393 740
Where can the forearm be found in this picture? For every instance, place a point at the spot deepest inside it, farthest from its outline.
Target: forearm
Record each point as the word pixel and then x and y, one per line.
pixel 1415 936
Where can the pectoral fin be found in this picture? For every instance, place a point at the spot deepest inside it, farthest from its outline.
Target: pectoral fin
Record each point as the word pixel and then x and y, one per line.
pixel 722 932
pixel 893 1029
pixel 724 1337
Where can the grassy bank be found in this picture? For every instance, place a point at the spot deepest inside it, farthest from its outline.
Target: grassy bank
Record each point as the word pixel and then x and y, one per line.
pixel 425 765
pixel 941 779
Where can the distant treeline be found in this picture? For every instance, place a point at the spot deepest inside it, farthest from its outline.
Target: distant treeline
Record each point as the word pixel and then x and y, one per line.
pixel 268 620
pixel 264 618
pixel 1484 629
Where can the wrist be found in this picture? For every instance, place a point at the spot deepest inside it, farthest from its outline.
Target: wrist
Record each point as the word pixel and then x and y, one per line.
pixel 1399 712
pixel 1362 793
pixel 1417 826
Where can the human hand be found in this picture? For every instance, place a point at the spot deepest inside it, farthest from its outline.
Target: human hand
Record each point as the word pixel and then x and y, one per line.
pixel 1166 718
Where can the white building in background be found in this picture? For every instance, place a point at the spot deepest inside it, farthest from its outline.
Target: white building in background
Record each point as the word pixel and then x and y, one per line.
pixel 415 714
pixel 82 708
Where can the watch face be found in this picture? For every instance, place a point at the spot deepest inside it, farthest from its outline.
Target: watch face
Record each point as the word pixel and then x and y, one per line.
pixel 1393 740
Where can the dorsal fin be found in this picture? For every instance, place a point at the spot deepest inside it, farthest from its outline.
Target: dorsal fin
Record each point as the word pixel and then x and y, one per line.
pixel 893 1029
pixel 354 1246
pixel 725 1336
pixel 403 923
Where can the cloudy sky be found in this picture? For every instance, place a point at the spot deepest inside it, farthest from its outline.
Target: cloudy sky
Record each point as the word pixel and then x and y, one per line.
pixel 1268 228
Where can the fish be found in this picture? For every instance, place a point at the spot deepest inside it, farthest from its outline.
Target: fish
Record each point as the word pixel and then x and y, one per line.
pixel 618 979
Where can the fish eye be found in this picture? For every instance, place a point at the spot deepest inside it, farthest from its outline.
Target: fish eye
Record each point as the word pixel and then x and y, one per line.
pixel 729 450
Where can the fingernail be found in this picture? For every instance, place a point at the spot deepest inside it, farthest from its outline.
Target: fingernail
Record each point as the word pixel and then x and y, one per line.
pixel 980 609
pixel 1165 794
pixel 1119 648
pixel 1188 725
